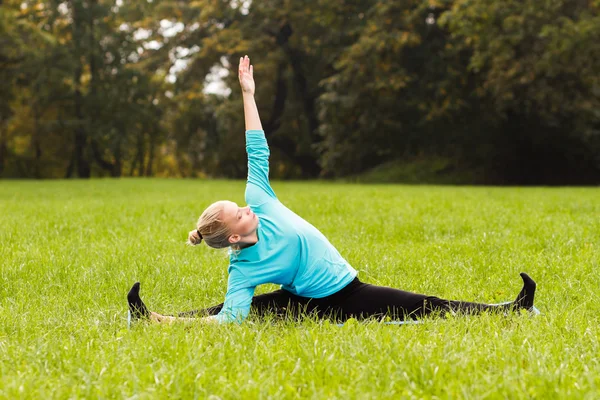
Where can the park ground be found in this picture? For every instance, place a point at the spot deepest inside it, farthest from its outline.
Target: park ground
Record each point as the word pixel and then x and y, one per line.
pixel 70 250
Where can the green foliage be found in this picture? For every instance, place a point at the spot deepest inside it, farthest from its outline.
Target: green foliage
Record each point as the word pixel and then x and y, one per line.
pixel 22 46
pixel 71 249
pixel 88 87
pixel 384 82
pixel 534 64
pixel 537 58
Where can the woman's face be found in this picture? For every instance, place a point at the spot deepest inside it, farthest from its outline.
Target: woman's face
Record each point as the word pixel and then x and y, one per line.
pixel 240 220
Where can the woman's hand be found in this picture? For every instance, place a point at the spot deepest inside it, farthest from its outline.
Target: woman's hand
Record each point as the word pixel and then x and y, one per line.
pixel 161 319
pixel 167 319
pixel 246 75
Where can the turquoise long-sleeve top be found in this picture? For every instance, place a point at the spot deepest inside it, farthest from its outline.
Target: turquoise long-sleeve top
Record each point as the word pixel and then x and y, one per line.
pixel 290 251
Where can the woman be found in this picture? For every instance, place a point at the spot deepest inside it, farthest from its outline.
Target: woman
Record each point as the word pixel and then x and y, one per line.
pixel 270 244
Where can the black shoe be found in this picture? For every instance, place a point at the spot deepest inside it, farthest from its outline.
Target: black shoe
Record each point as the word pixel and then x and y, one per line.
pixel 137 308
pixel 527 294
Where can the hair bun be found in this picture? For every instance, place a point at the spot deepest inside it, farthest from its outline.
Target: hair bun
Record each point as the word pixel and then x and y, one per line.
pixel 194 238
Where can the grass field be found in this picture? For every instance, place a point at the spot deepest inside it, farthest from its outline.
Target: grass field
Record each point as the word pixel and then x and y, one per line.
pixel 71 250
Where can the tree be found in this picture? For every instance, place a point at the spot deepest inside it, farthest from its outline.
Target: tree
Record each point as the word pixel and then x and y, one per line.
pixel 538 72
pixel 383 102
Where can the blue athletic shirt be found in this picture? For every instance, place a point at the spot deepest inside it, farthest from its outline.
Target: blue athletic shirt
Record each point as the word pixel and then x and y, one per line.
pixel 290 251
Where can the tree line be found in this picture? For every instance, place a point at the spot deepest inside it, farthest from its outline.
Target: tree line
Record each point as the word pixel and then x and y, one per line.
pixel 500 92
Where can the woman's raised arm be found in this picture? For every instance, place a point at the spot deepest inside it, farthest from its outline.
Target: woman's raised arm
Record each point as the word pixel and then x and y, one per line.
pixel 246 75
pixel 258 189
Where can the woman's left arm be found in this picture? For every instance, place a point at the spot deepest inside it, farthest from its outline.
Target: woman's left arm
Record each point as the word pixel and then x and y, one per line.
pixel 169 319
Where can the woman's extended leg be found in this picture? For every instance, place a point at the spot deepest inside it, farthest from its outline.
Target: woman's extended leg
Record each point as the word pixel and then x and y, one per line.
pixel 362 300
pixel 358 300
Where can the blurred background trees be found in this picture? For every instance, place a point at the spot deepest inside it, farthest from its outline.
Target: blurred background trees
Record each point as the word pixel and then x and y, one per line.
pixel 456 91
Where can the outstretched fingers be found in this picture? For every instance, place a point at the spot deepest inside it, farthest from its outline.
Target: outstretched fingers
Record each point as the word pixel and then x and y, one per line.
pixel 246 75
pixel 245 66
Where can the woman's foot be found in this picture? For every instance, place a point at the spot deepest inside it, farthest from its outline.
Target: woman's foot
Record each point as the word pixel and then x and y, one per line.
pixel 137 308
pixel 525 298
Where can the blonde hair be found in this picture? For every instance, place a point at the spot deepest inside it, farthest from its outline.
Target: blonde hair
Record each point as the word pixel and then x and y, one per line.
pixel 212 228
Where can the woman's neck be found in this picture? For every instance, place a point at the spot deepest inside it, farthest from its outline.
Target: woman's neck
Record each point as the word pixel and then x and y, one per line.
pixel 249 240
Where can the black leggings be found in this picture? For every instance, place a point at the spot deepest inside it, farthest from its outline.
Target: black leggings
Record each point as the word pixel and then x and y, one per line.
pixel 357 300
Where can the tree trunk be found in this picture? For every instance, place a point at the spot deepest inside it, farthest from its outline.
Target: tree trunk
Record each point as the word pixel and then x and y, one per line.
pixel 118 164
pixel 141 153
pixel 308 101
pixel 138 160
pixel 79 156
pixel 92 111
pixel 81 163
pixel 307 162
pixel 152 145
pixel 133 166
pixel 69 171
pixel 2 146
pixel 105 165
pixel 35 143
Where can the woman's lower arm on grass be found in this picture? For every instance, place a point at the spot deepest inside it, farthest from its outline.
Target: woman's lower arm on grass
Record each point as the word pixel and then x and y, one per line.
pixel 168 319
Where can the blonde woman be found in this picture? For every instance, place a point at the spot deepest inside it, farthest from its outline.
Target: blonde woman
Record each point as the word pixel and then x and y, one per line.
pixel 269 243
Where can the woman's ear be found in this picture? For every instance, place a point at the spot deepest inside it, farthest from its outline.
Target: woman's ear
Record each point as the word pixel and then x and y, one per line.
pixel 233 239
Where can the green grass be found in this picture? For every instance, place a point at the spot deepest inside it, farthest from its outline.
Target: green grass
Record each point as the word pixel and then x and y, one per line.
pixel 71 250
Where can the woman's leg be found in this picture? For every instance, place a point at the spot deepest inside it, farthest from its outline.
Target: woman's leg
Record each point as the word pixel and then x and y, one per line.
pixel 362 300
pixel 359 300
pixel 204 312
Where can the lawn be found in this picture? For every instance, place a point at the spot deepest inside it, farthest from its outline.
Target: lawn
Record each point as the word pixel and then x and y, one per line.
pixel 70 250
